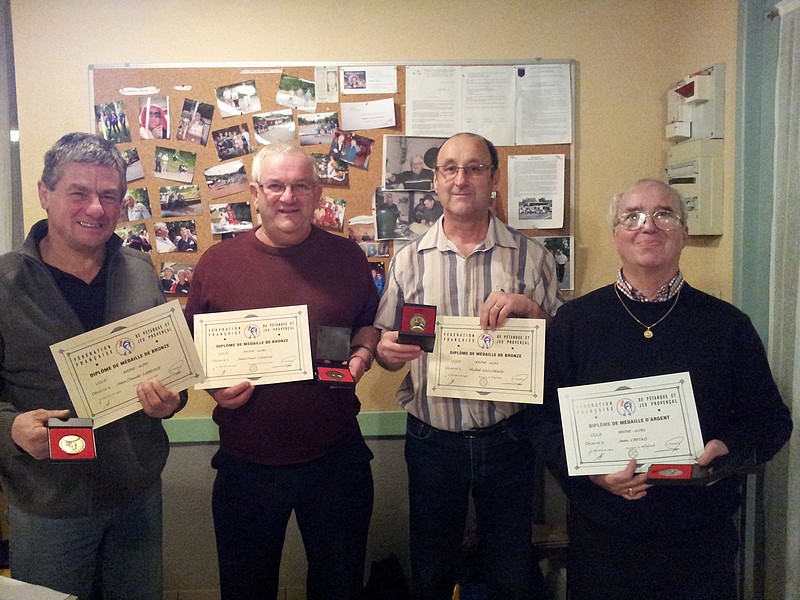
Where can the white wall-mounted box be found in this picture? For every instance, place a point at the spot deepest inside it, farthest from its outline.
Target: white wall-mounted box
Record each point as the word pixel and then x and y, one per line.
pixel 694 168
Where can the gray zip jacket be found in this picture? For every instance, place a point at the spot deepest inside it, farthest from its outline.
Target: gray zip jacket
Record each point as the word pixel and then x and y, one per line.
pixel 132 451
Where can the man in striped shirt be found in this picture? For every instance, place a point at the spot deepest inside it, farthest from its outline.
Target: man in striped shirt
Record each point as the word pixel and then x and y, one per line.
pixel 468 264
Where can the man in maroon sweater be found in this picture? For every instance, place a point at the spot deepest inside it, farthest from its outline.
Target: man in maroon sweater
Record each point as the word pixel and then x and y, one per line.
pixel 295 445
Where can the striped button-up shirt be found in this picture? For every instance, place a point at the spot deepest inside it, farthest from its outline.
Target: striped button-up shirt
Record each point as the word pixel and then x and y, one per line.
pixel 430 270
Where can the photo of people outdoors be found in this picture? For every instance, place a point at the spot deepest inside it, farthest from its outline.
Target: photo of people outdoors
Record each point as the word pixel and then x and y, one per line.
pixel 230 218
pixel 238 99
pixel 392 214
pixel 296 93
pixel 176 278
pixel 176 236
pixel 177 165
pixel 226 179
pixel 133 166
pixel 154 118
pixel 180 200
pixel 535 209
pixel 135 205
pixel 409 161
pixel 317 128
pixel 111 122
pixel 232 141
pixel 351 148
pixel 195 122
pixel 135 237
pixel 274 127
pixel 561 249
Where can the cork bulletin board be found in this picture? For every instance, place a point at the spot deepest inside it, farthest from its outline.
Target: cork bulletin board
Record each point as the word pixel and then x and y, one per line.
pixel 190 132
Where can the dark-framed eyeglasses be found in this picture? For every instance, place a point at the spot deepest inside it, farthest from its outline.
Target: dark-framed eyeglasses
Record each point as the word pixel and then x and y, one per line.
pixel 450 171
pixel 665 220
pixel 276 189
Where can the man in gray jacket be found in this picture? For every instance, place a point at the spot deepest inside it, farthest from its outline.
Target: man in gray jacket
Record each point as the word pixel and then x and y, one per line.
pixel 89 528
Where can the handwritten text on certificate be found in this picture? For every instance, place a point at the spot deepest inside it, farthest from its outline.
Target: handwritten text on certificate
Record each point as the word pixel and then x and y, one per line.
pixel 506 364
pixel 651 419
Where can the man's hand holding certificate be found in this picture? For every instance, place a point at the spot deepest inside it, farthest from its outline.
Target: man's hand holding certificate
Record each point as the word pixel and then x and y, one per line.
pixel 269 345
pixel 651 419
pixel 505 364
pixel 102 368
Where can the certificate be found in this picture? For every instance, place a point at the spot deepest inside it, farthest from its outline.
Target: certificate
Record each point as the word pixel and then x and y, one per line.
pixel 101 368
pixel 651 419
pixel 506 364
pixel 268 345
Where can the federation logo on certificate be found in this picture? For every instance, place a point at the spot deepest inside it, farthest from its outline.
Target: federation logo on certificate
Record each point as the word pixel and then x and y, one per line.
pixel 651 419
pixel 503 365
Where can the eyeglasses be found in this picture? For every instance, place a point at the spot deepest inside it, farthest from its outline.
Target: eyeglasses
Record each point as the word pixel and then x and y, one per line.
pixel 665 220
pixel 301 188
pixel 450 171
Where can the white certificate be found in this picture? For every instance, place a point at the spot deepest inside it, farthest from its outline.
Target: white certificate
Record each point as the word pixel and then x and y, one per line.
pixel 651 419
pixel 101 368
pixel 506 364
pixel 267 345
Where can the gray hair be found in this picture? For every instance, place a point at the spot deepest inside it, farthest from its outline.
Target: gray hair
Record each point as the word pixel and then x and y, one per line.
pixel 83 148
pixel 669 191
pixel 275 150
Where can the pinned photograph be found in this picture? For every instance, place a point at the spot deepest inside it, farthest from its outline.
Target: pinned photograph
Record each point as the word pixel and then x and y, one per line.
pixel 326 81
pixel 238 99
pixel 409 161
pixel 378 269
pixel 180 200
pixel 226 179
pixel 317 128
pixel 392 215
pixel 332 172
pixel 177 165
pixel 133 166
pixel 175 236
pixel 135 205
pixel 135 237
pixel 329 214
pixel 154 118
pixel 274 127
pixel 176 278
pixel 233 217
pixel 296 93
pixel 232 141
pixel 561 249
pixel 354 79
pixel 361 228
pixel 195 122
pixel 351 148
pixel 111 122
pixel 426 210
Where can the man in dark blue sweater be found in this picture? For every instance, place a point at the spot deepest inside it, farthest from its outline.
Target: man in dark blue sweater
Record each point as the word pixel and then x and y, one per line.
pixel 629 539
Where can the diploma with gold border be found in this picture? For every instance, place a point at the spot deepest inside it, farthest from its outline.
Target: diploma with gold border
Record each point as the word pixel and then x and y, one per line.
pixel 651 419
pixel 506 364
pixel 101 368
pixel 263 346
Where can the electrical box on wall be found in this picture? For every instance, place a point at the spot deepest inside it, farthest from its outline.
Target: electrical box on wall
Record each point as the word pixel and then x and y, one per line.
pixel 696 106
pixel 694 168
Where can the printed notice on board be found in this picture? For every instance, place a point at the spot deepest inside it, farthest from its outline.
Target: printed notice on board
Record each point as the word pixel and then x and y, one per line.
pixel 544 104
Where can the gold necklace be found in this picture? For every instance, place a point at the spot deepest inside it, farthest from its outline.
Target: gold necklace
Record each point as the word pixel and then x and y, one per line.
pixel 647 333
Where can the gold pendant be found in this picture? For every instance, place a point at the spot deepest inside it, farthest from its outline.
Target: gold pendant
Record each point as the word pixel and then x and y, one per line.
pixel 647 333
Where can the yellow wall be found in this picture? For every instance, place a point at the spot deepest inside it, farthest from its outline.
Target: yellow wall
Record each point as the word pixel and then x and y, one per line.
pixel 628 53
